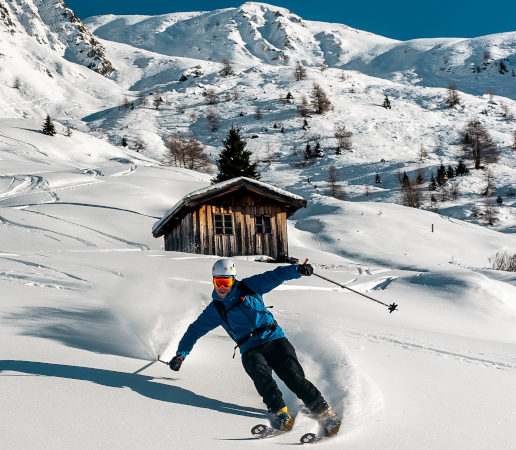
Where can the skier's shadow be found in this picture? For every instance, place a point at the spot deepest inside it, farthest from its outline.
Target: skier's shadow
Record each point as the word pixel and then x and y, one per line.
pixel 142 384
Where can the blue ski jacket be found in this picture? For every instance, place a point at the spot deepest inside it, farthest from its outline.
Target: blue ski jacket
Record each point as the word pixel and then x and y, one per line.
pixel 244 313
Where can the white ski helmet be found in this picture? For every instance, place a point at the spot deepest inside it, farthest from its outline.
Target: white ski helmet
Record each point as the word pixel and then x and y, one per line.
pixel 224 268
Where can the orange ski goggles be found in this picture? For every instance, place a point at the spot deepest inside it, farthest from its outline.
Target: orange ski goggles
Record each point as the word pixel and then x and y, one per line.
pixel 223 282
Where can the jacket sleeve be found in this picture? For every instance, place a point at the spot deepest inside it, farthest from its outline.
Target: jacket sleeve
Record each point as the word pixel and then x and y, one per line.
pixel 267 281
pixel 207 321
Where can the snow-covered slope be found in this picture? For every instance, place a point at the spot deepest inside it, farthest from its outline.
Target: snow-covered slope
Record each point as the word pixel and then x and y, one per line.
pixel 178 58
pixel 52 23
pixel 89 298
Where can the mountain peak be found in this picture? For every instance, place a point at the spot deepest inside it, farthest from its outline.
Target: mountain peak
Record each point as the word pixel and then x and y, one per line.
pixel 52 23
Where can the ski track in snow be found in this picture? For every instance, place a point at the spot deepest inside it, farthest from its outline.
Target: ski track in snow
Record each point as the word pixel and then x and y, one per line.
pixel 100 233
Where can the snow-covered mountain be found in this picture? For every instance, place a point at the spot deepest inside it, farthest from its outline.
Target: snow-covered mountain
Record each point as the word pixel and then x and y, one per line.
pixel 179 58
pixel 52 23
pixel 89 297
pixel 258 34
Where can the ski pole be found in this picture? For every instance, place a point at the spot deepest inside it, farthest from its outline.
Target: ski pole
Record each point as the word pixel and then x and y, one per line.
pixel 144 367
pixel 392 307
pixel 149 364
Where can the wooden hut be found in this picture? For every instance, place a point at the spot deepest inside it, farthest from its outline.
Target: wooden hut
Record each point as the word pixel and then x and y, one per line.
pixel 240 216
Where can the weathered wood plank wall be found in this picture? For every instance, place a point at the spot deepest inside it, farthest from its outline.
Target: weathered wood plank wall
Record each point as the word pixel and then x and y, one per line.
pixel 196 232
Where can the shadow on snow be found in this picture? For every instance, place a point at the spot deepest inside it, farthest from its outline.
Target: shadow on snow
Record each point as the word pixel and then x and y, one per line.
pixel 141 384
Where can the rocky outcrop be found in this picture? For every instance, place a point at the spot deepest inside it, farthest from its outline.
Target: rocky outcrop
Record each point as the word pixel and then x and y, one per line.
pixel 52 23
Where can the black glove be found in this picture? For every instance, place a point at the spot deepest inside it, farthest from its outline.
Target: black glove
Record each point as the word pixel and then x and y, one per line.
pixel 175 363
pixel 305 269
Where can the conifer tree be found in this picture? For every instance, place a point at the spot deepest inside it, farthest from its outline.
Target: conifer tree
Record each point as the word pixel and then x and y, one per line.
pixel 405 181
pixel 48 127
pixel 386 103
pixel 234 160
pixel 441 175
pixel 461 169
pixel 308 152
pixel 432 186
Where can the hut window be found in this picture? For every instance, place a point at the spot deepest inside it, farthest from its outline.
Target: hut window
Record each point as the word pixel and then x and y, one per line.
pixel 223 224
pixel 263 224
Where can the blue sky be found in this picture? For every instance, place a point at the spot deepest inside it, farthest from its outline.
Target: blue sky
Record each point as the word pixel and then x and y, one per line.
pixel 397 19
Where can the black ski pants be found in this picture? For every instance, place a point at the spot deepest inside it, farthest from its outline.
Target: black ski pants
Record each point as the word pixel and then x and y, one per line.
pixel 279 355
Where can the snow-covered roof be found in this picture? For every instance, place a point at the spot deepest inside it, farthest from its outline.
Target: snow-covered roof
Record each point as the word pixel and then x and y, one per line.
pixel 193 198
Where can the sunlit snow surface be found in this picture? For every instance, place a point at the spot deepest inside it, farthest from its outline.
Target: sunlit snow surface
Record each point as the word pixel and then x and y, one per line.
pixel 89 297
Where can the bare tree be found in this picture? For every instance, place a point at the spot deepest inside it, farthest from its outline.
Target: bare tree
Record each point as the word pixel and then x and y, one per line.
pixel 478 144
pixel 212 96
pixel 269 153
pixel 157 101
pixel 303 108
pixel 503 261
pixel 17 83
pixel 212 119
pixel 139 144
pixel 506 113
pixel 336 190
pixel 343 138
pixel 490 183
pixel 423 154
pixel 454 189
pixel 452 97
pixel 411 194
pixel 236 93
pixel 227 69
pixel 514 141
pixel 489 211
pixel 320 101
pixel 300 72
pixel 126 103
pixel 142 99
pixel 187 152
pixel 258 115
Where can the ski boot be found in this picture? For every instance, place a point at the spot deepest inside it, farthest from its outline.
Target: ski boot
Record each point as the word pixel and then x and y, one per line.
pixel 329 421
pixel 281 419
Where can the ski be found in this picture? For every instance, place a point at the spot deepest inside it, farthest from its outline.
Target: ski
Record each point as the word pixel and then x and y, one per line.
pixel 312 438
pixel 262 431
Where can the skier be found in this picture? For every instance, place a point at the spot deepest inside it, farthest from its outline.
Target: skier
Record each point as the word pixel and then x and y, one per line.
pixel 238 306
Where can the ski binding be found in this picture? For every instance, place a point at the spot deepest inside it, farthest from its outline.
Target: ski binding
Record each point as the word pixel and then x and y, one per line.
pixel 262 431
